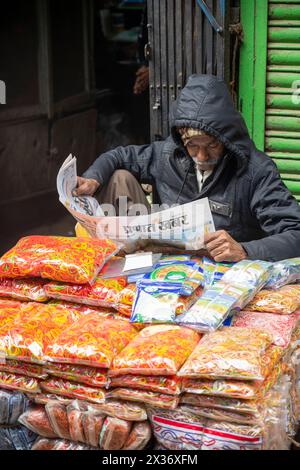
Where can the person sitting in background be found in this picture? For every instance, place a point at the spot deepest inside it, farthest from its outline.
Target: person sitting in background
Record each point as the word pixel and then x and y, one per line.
pixel 208 154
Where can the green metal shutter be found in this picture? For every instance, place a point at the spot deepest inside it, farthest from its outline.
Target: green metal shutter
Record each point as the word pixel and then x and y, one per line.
pixel 282 134
pixel 269 77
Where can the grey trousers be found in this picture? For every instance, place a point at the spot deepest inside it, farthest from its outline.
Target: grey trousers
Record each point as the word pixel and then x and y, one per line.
pixel 122 183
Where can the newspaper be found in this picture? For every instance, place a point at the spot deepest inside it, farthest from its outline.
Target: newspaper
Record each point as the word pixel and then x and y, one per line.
pixel 183 226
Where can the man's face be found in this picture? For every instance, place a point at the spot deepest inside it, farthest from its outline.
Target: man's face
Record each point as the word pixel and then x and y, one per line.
pixel 206 151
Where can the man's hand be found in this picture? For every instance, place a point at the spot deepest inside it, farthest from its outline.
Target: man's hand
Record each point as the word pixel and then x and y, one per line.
pixel 222 247
pixel 86 187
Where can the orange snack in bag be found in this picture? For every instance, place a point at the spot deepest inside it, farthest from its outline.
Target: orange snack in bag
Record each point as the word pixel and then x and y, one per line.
pixel 92 341
pixel 66 259
pixel 26 335
pixel 157 350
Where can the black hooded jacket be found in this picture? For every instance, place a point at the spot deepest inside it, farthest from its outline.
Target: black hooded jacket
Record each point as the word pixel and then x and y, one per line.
pixel 247 196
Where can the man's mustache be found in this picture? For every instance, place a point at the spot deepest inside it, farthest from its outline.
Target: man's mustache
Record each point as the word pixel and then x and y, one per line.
pixel 207 162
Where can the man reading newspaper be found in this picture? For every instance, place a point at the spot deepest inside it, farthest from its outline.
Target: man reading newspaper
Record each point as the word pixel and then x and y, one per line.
pixel 209 154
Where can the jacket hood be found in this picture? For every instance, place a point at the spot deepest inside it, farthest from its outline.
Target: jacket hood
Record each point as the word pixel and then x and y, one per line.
pixel 205 103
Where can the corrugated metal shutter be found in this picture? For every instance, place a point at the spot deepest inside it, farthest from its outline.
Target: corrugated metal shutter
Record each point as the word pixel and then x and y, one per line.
pixel 282 126
pixel 182 42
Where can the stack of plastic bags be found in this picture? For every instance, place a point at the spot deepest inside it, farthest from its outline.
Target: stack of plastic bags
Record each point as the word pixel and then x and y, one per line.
pixel 82 355
pixel 25 332
pixel 76 425
pixel 146 370
pixel 72 264
pixel 178 303
pixel 29 330
pixel 96 380
pixel 169 290
pixel 235 383
pixel 276 310
pixel 103 292
pixel 237 287
pixel 186 428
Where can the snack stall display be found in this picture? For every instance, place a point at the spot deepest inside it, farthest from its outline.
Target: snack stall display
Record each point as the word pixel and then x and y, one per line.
pixel 194 355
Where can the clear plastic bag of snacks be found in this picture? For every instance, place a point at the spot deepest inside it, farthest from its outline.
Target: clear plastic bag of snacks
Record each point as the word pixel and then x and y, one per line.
pixel 92 424
pixel 155 302
pixel 214 306
pixel 81 374
pixel 223 415
pixel 75 412
pixel 149 398
pixel 157 350
pixel 236 289
pixel 251 274
pixel 279 420
pixel 92 341
pixel 114 433
pixel 229 353
pixel 58 417
pixel 29 333
pixel 284 272
pixel 213 272
pixel 252 407
pixel 167 385
pixel 121 409
pixel 103 292
pixel 44 398
pixel 221 435
pixel 182 430
pixel 19 382
pixel 280 327
pixel 238 286
pixel 186 273
pixel 73 390
pixel 12 405
pixel 65 259
pixel 273 433
pixel 36 419
pixel 282 301
pixel 247 390
pixel 127 298
pixel 23 368
pixel 139 437
pixel 176 429
pixel 24 289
